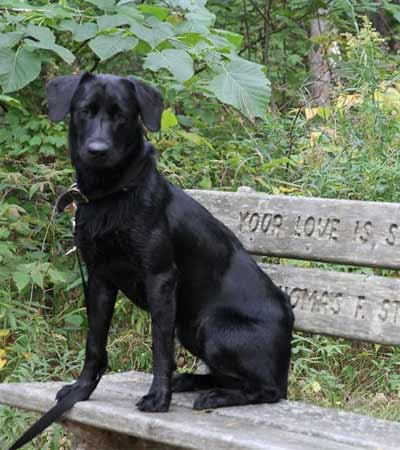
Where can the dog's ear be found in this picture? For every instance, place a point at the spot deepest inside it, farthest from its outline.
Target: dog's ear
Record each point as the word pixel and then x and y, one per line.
pixel 60 91
pixel 150 103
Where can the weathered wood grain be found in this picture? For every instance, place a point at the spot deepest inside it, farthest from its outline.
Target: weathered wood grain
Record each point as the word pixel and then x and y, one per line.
pixel 283 426
pixel 355 306
pixel 341 231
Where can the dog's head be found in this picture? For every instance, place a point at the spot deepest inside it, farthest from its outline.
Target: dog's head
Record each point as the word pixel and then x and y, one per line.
pixel 106 114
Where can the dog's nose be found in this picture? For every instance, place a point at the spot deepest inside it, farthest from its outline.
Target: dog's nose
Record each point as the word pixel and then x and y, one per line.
pixel 98 148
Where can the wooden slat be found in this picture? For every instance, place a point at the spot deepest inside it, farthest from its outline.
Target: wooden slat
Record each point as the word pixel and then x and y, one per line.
pixel 340 231
pixel 286 425
pixel 342 304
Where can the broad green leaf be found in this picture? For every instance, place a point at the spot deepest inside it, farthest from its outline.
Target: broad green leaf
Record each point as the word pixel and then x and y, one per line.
pixel 56 12
pixel 6 249
pixel 21 66
pixel 198 20
pixel 106 46
pixel 130 11
pixel 80 31
pixel 186 4
pixel 154 32
pixel 102 4
pixel 205 182
pixel 74 320
pixel 191 39
pixel 195 138
pixel 113 21
pixel 203 16
pixel 4 233
pixel 243 85
pixel 10 39
pixel 21 280
pixel 233 38
pixel 84 31
pixel 37 278
pixel 178 62
pixel 68 25
pixel 6 58
pixel 63 52
pixel 40 33
pixel 168 119
pixel 56 276
pixel 156 11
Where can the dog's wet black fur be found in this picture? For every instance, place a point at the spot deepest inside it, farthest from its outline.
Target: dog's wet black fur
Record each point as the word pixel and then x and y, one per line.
pixel 143 236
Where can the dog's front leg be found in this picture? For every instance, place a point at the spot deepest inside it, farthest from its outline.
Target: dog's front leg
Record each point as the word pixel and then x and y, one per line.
pixel 100 307
pixel 160 290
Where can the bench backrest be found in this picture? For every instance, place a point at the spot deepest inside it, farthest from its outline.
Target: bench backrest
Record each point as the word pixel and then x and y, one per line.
pixel 355 233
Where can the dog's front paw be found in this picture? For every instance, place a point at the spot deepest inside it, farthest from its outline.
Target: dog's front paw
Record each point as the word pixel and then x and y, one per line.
pixel 82 390
pixel 157 401
pixel 66 390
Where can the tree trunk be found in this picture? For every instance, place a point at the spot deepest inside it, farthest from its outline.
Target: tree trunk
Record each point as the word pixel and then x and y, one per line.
pixel 321 86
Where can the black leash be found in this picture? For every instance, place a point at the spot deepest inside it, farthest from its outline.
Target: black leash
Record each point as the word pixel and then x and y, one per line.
pixel 71 196
pixel 84 282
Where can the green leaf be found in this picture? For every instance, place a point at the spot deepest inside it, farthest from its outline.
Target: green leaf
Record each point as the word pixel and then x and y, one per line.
pixel 84 31
pixel 68 25
pixel 56 276
pixel 33 189
pixel 194 138
pixel 6 249
pixel 233 38
pixel 80 31
pixel 154 32
pixel 156 11
pixel 44 39
pixel 102 4
pixel 10 101
pixel 106 46
pixel 243 85
pixel 205 182
pixel 168 119
pixel 40 33
pixel 63 52
pixel 10 39
pixel 187 4
pixel 113 21
pixel 37 278
pixel 74 320
pixel 17 69
pixel 21 280
pixel 178 62
pixel 130 11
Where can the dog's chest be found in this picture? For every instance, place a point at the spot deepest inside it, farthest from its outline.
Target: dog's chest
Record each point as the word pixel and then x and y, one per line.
pixel 116 255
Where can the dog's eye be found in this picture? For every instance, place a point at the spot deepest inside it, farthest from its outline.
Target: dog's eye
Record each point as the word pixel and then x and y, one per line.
pixel 119 116
pixel 85 112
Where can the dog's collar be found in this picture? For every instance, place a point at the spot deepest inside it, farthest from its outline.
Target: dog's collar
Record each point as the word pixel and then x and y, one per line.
pixel 74 196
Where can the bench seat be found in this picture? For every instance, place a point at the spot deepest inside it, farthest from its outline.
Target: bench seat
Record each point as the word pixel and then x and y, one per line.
pixel 110 421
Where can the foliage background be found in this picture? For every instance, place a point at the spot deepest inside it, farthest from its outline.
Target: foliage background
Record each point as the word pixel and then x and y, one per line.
pixel 240 110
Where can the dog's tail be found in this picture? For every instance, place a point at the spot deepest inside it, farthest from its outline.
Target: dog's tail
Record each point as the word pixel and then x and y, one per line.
pixel 54 414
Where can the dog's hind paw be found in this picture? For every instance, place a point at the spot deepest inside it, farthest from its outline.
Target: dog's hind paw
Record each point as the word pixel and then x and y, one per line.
pixel 155 402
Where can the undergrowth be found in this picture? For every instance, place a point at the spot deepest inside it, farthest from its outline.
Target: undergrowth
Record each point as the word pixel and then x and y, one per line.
pixel 348 150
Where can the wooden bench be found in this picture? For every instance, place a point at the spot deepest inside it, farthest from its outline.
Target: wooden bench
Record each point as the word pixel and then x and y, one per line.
pixel 332 302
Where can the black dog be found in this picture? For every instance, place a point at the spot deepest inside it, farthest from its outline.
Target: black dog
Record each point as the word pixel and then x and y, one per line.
pixel 140 235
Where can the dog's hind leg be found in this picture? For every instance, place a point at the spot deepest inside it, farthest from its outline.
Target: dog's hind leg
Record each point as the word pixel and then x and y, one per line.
pixel 219 397
pixel 185 382
pixel 255 357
